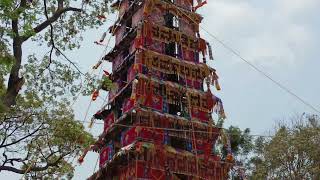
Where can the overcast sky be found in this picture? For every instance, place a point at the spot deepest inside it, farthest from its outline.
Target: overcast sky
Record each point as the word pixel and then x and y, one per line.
pixel 281 37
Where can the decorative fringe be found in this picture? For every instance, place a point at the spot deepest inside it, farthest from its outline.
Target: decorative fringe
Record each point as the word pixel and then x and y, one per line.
pixel 97 65
pixel 91 122
pixel 210 51
pixel 100 17
pixel 81 158
pixel 95 94
pixel 103 37
pixel 200 4
pixel 218 108
pixel 98 43
pixel 229 144
pixel 223 137
pixel 134 87
pixel 229 158
pixel 106 73
pixel 217 85
pixel 214 81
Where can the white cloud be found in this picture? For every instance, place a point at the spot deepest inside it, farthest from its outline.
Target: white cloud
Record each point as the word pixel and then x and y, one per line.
pixel 273 33
pixel 292 7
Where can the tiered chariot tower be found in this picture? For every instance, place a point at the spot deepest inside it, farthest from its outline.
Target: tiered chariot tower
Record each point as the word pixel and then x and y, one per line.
pixel 158 121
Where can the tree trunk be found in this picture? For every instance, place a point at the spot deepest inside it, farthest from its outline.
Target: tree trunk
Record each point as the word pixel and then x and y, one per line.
pixel 14 83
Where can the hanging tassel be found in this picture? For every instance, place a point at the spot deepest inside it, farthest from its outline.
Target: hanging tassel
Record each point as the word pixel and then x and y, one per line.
pixel 91 122
pixel 221 113
pixel 210 51
pixel 217 85
pixel 98 43
pixel 97 65
pixel 106 73
pixel 103 37
pixel 208 83
pixel 95 94
pixel 212 79
pixel 200 4
pixel 100 17
pixel 228 144
pixel 229 158
pixel 81 158
pixel 134 87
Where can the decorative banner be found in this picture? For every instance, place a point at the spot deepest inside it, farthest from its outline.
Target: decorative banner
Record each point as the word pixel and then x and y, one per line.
pixel 106 154
pixel 182 162
pixel 128 137
pixel 169 35
pixel 151 118
pixel 171 65
pixel 151 92
pixel 108 121
pixel 127 105
pixel 203 116
pixel 138 133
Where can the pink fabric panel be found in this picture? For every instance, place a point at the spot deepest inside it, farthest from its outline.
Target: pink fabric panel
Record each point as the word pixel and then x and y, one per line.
pixel 116 62
pixel 119 34
pixel 157 17
pixel 128 136
pixel 132 48
pixel 187 28
pixel 156 102
pixel 108 121
pixel 188 55
pixel 200 115
pixel 156 46
pixel 131 74
pixel 104 155
pixel 186 4
pixel 123 7
pixel 137 17
pixel 127 105
pixel 197 84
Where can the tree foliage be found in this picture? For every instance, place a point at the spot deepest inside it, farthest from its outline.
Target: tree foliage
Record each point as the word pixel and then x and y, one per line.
pixel 39 135
pixel 241 145
pixel 293 152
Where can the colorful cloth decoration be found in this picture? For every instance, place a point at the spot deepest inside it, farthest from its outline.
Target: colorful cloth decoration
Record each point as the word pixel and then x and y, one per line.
pixel 95 94
pixel 210 51
pixel 106 73
pixel 169 35
pixel 108 121
pixel 106 154
pixel 103 37
pixel 97 65
pixel 170 65
pixel 101 17
pixel 128 105
pixel 218 108
pixel 81 158
pixel 200 4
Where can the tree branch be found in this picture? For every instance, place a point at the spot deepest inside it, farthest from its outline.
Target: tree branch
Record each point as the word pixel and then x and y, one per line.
pixel 52 19
pixel 60 4
pixel 12 169
pixel 23 138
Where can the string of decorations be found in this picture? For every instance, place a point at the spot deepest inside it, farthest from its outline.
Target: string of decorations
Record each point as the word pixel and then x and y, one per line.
pixel 181 130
